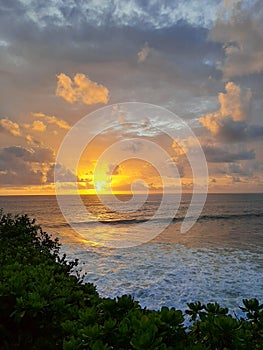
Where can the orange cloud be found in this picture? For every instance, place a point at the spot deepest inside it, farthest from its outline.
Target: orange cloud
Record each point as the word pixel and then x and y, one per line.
pixel 235 102
pixel 9 126
pixel 234 107
pixel 38 125
pixel 81 89
pixel 51 120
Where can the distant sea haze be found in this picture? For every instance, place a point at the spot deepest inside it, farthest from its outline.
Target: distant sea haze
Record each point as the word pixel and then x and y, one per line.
pixel 219 259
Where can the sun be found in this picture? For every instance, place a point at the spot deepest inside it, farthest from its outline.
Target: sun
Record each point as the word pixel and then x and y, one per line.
pixel 102 180
pixel 100 186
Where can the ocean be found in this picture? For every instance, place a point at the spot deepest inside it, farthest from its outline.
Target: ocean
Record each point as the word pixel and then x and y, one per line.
pixel 219 259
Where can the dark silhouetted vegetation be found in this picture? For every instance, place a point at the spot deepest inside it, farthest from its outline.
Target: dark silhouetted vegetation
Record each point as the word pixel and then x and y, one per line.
pixel 44 305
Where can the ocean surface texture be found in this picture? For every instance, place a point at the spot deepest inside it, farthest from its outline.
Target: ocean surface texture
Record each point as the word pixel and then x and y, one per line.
pixel 219 259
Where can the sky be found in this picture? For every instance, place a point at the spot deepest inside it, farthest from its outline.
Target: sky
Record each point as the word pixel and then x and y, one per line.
pixel 63 60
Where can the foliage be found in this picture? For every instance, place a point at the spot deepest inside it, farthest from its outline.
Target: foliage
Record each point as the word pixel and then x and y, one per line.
pixel 43 305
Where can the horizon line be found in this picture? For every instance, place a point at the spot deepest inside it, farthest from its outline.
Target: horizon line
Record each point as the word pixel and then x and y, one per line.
pixel 120 194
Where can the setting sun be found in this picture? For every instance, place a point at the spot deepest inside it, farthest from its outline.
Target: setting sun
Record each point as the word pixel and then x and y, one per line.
pixel 101 186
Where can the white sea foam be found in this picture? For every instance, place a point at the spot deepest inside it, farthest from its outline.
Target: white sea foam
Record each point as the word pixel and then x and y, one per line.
pixel 159 275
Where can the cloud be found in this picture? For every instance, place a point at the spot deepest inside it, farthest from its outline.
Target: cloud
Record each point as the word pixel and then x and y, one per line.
pixel 58 122
pixel 240 29
pixel 81 89
pixel 239 169
pixel 216 154
pixel 236 169
pixel 185 146
pixel 31 141
pixel 22 166
pixel 40 155
pixel 235 102
pixel 124 14
pixel 230 123
pixel 38 125
pixel 113 169
pixel 32 155
pixel 143 53
pixel 107 53
pixel 25 176
pixel 223 128
pixel 9 126
pixel 52 120
pixel 134 146
pixel 65 175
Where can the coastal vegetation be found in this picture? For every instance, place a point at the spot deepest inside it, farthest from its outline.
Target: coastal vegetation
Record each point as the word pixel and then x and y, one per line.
pixel 44 304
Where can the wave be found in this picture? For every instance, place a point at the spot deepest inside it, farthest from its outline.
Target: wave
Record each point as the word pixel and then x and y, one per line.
pixel 230 216
pixel 134 221
pixel 179 219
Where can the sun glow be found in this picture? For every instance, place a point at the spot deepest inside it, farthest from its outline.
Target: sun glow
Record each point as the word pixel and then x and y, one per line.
pixel 102 179
pixel 100 185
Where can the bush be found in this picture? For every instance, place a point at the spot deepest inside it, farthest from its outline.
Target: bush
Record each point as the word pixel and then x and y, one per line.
pixel 43 305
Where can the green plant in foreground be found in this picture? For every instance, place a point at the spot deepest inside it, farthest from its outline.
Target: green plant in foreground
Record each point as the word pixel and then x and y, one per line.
pixel 44 304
